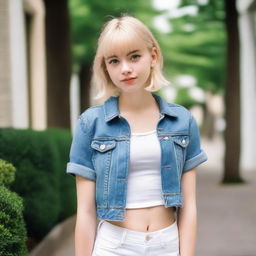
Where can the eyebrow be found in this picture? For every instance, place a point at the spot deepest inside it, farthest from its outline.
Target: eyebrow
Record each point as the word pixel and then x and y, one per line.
pixel 129 53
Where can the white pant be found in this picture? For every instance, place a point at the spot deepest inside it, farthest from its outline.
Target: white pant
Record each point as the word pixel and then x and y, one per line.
pixel 112 240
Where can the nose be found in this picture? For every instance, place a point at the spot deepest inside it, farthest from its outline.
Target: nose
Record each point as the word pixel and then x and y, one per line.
pixel 126 68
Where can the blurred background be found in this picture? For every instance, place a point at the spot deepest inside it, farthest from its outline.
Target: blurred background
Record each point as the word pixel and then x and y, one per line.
pixel 46 53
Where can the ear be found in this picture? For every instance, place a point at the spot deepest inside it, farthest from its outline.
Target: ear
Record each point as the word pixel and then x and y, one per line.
pixel 104 67
pixel 154 57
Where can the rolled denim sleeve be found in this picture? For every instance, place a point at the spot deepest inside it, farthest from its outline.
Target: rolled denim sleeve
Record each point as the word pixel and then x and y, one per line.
pixel 80 157
pixel 195 155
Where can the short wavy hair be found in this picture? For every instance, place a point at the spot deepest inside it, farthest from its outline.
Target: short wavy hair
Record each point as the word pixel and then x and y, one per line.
pixel 123 31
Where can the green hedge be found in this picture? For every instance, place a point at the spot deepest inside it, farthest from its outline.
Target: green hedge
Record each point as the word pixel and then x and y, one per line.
pixel 40 158
pixel 67 183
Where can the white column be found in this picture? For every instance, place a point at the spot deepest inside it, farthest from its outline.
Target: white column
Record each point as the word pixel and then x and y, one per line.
pixel 248 89
pixel 74 100
pixel 5 68
pixel 37 63
pixel 18 66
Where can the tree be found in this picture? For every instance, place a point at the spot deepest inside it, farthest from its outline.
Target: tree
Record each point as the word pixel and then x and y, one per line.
pixel 232 97
pixel 58 53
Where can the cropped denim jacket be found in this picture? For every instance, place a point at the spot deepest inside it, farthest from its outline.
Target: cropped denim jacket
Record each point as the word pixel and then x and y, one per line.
pixel 100 152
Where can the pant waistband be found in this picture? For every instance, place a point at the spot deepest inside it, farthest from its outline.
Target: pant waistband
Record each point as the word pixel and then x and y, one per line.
pixel 114 232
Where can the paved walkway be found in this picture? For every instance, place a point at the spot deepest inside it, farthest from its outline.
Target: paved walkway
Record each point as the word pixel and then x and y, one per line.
pixel 226 214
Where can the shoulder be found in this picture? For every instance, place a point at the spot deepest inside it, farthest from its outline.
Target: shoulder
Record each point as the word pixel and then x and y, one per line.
pixel 177 110
pixel 184 115
pixel 92 111
pixel 90 114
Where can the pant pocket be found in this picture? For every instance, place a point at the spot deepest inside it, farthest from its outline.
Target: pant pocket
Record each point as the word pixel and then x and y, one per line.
pixel 172 246
pixel 107 243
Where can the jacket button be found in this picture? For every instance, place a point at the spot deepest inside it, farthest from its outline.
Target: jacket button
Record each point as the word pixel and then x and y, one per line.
pixel 166 138
pixel 183 142
pixel 102 146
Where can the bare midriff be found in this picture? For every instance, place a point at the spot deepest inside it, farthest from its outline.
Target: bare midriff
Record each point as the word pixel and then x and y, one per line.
pixel 147 219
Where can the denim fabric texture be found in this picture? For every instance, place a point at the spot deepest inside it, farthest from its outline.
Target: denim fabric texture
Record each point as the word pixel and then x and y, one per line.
pixel 100 152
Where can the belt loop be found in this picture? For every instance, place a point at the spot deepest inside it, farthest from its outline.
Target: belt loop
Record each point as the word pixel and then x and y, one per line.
pixel 123 236
pixel 100 223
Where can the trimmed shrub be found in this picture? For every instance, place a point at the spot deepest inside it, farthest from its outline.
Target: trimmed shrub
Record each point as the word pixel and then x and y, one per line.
pixel 7 173
pixel 12 226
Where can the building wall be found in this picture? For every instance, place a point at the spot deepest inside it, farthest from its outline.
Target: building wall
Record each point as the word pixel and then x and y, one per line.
pixel 22 87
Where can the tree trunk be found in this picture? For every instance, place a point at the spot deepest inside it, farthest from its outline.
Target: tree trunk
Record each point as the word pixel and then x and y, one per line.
pixel 85 78
pixel 58 49
pixel 232 97
pixel 208 127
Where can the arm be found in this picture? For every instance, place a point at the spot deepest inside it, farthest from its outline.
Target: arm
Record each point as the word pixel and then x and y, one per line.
pixel 81 167
pixel 86 216
pixel 187 216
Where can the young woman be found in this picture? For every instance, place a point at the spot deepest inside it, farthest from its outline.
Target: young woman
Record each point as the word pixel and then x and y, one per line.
pixel 134 155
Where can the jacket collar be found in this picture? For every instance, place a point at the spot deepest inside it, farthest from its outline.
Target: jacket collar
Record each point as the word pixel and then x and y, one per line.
pixel 111 109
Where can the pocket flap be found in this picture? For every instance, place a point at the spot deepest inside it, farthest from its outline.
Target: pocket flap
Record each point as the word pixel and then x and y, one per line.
pixel 182 140
pixel 103 146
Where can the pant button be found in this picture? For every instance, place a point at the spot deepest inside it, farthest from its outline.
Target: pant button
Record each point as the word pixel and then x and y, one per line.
pixel 148 237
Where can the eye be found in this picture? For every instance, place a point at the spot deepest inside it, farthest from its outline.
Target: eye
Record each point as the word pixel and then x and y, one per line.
pixel 113 61
pixel 135 57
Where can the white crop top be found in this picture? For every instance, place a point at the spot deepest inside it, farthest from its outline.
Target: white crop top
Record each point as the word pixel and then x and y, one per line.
pixel 144 179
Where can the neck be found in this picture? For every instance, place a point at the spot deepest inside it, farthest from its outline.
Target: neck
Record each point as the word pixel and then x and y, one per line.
pixel 136 101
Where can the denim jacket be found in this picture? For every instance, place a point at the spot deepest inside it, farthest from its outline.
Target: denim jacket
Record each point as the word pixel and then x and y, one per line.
pixel 100 152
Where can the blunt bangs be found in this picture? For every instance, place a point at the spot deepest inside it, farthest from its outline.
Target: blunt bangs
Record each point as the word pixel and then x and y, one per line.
pixel 122 41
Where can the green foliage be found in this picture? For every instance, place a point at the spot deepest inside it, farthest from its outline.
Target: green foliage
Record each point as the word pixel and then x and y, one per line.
pixel 197 45
pixel 211 10
pixel 183 98
pixel 40 158
pixel 12 227
pixel 7 173
pixel 202 56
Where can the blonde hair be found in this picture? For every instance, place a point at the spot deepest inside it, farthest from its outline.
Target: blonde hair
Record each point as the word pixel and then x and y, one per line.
pixel 124 30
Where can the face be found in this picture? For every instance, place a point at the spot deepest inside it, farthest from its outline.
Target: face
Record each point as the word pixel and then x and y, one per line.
pixel 130 70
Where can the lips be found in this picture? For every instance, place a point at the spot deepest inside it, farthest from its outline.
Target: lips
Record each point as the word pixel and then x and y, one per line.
pixel 130 79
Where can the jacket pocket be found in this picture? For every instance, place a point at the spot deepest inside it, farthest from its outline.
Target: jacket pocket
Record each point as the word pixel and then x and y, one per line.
pixel 103 146
pixel 180 144
pixel 181 140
